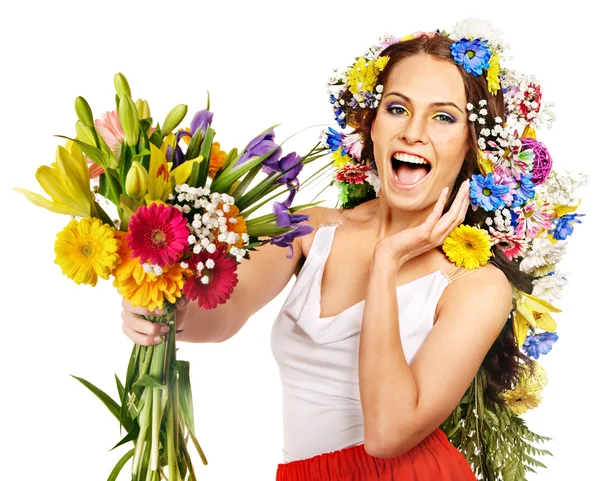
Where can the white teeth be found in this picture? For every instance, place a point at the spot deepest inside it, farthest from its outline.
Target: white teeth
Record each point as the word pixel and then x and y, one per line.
pixel 413 159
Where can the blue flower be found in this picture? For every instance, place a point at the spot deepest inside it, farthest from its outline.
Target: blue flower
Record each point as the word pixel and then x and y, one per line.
pixel 338 111
pixel 524 190
pixel 564 226
pixel 539 344
pixel 334 140
pixel 487 194
pixel 473 55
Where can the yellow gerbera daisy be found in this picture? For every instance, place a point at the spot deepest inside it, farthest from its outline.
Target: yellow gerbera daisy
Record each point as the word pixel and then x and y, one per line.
pixel 522 399
pixel 146 289
pixel 493 74
pixel 527 394
pixel 468 246
pixel 86 249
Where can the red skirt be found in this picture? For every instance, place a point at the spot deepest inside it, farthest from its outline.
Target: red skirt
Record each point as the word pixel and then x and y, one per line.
pixel 433 459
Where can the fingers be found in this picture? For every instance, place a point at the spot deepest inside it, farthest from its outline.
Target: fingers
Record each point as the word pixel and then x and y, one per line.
pixel 141 310
pixel 435 214
pixel 456 214
pixel 139 338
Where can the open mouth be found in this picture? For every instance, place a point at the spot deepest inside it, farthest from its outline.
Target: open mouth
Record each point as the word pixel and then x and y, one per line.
pixel 409 169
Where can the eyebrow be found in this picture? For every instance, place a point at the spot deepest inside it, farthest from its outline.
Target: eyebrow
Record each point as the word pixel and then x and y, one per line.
pixel 433 104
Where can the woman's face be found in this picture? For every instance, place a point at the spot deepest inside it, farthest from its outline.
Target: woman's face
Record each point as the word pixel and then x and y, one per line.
pixel 420 131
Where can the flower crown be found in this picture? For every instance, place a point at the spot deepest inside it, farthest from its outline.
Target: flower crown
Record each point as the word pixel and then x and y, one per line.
pixel 528 205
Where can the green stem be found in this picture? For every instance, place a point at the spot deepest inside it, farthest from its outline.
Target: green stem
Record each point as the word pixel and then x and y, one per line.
pixel 156 371
pixel 144 419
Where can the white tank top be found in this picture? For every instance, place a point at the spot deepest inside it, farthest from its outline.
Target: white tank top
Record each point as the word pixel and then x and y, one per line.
pixel 318 356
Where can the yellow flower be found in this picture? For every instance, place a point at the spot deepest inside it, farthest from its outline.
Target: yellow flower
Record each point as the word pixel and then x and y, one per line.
pixel 534 312
pixel 468 246
pixel 527 394
pixel 86 249
pixel 493 71
pixel 146 289
pixel 340 160
pixel 362 76
pixel 381 62
pixel 529 131
pixel 521 399
pixel 485 164
pixel 159 185
pixel 66 181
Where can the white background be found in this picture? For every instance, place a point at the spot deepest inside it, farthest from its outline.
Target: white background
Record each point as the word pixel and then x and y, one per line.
pixel 264 63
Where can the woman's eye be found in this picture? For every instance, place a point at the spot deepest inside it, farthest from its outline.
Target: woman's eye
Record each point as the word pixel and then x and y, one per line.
pixel 397 110
pixel 445 118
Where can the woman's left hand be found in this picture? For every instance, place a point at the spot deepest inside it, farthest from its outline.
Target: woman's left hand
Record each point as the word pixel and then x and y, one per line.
pixel 414 241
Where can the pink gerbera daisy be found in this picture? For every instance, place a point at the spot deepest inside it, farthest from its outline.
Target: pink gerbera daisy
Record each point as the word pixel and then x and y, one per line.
pixel 352 173
pixel 158 233
pixel 511 244
pixel 109 128
pixel 214 278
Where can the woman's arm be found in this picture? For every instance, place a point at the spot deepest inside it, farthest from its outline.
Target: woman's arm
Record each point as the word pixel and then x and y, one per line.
pixel 260 279
pixel 402 404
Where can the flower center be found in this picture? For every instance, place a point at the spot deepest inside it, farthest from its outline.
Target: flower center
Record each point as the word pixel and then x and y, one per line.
pixel 159 237
pixel 469 245
pixel 87 250
pixel 470 53
pixel 486 191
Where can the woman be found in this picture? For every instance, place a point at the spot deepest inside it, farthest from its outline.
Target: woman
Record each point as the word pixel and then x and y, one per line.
pixel 370 371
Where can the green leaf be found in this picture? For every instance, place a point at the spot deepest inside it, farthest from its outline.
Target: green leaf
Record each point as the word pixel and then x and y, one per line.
pixel 148 381
pixel 182 370
pixel 120 387
pixel 130 436
pixel 109 402
pixel 94 153
pixel 205 152
pixel 117 469
pixel 129 377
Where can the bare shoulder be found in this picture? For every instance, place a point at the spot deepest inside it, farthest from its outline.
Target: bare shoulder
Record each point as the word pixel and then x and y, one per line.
pixel 317 215
pixel 486 287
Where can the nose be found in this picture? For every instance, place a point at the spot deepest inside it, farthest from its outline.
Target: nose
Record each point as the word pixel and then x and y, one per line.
pixel 414 130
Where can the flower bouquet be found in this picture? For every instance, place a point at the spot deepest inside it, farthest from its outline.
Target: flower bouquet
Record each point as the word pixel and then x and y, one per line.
pixel 181 225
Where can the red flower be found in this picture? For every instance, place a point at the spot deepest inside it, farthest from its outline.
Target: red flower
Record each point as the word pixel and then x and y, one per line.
pixel 533 93
pixel 220 279
pixel 158 233
pixel 352 173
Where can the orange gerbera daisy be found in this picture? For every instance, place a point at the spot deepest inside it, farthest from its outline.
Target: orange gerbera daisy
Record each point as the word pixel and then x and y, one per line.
pixel 238 226
pixel 142 288
pixel 217 157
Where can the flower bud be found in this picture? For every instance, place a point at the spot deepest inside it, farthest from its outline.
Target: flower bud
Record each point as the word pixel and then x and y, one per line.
pixel 121 85
pixel 136 182
pixel 84 133
pixel 84 112
pixel 128 116
pixel 174 118
pixel 143 109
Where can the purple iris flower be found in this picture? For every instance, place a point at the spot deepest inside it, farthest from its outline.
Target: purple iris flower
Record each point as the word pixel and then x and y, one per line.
pixel 259 146
pixel 201 120
pixel 286 239
pixel 175 155
pixel 284 217
pixel 291 161
pixel 539 344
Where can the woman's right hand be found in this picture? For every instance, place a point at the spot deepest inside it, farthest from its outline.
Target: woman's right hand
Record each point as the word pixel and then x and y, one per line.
pixel 145 332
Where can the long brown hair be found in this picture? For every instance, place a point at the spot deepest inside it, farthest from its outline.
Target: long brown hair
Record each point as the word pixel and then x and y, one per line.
pixel 504 360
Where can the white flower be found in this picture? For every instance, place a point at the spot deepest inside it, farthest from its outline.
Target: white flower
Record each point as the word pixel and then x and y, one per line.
pixel 184 265
pixel 353 144
pixel 373 179
pixel 191 239
pixel 549 287
pixel 210 263
pixel 211 248
pixel 477 28
pixel 542 253
pixel 204 279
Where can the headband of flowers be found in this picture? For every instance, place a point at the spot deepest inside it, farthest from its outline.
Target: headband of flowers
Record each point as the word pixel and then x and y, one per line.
pixel 528 205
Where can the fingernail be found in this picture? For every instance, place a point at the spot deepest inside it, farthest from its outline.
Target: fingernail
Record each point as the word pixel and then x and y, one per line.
pixel 158 339
pixel 164 329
